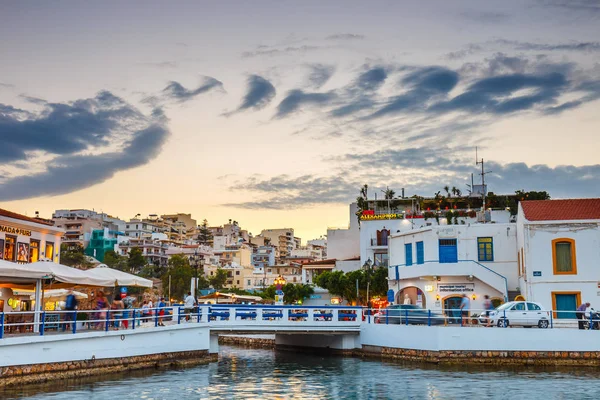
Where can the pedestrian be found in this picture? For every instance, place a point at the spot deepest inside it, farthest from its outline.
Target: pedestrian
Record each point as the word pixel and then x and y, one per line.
pixel 581 313
pixel 145 311
pixel 465 304
pixel 70 307
pixel 161 311
pixel 188 306
pixel 128 304
pixel 102 309
pixel 488 307
pixel 117 305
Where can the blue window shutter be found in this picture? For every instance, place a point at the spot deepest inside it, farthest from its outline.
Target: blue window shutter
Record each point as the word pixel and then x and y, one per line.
pixel 408 253
pixel 448 251
pixel 420 253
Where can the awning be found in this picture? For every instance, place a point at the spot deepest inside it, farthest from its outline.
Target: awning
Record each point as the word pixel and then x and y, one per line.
pixel 66 274
pixel 118 278
pixel 23 271
pixel 50 295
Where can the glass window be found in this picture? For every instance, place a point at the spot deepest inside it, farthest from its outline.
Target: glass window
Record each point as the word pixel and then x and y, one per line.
pixel 237 272
pixel 533 307
pixel 519 307
pixel 381 259
pixel 564 257
pixel 34 251
pixel 10 252
pixel 485 247
pixel 50 251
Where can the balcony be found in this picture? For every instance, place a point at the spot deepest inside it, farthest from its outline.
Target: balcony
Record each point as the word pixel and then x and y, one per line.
pixel 378 244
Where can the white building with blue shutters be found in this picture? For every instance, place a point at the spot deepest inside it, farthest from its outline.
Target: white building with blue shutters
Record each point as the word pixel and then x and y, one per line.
pixel 434 265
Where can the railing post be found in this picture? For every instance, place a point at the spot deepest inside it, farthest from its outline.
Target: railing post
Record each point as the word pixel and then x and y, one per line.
pixel 133 319
pixel 336 315
pixel 591 322
pixel 428 317
pixel 199 312
pixel 74 322
pixel 43 323
pixel 107 321
pixel 504 324
pixel 369 314
pixel 387 317
pixel 156 317
pixel 179 315
pixel 406 316
pixel 259 314
pixel 551 319
pixel 311 314
pixel 2 324
pixel 461 321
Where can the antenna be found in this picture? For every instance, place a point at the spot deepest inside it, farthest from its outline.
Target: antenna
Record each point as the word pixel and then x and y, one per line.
pixel 483 173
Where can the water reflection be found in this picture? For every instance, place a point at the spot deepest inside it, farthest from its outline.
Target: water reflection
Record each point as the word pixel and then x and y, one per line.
pixel 264 374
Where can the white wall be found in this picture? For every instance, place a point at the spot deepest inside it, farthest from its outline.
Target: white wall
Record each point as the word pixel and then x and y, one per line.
pixel 477 339
pixel 343 243
pixel 112 344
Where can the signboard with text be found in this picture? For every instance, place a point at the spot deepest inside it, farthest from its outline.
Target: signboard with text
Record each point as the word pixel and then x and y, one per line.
pixel 372 217
pixel 456 287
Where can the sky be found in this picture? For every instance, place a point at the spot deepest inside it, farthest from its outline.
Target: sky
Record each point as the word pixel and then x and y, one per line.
pixel 275 113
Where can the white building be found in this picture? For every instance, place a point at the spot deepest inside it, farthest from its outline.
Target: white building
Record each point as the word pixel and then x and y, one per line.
pixel 436 264
pixel 558 247
pixel 141 229
pixel 25 240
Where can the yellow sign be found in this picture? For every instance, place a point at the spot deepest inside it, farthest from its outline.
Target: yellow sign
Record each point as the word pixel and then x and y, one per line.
pixel 14 231
pixel 377 217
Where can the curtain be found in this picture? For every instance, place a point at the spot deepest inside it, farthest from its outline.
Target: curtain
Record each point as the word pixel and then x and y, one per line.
pixel 563 257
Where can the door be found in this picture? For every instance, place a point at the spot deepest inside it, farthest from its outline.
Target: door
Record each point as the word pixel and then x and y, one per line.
pixel 448 251
pixel 565 302
pixel 517 315
pixel 452 309
pixel 534 314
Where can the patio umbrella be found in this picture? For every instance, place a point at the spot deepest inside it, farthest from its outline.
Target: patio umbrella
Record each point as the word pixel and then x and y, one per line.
pixel 66 274
pixel 119 278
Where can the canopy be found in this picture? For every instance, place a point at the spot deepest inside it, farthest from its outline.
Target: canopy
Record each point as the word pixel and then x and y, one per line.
pixel 231 297
pixel 118 278
pixel 52 294
pixel 13 270
pixel 67 274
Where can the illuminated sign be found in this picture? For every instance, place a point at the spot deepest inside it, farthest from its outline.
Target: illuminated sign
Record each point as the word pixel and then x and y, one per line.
pixel 14 231
pixel 372 217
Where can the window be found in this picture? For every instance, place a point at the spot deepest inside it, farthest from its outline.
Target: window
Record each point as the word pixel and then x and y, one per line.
pixel 269 270
pixel 563 257
pixel 518 307
pixel 249 282
pixel 238 282
pixel 420 253
pixel 485 249
pixel 34 251
pixel 566 302
pixel 448 251
pixel 10 252
pixel 381 259
pixel 237 272
pixel 408 253
pixel 533 307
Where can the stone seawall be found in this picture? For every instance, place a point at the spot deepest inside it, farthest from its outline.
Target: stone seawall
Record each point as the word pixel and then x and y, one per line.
pixel 250 342
pixel 541 358
pixel 40 373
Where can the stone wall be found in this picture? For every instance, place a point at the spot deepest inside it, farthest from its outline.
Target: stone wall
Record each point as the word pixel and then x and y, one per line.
pixel 250 342
pixel 40 373
pixel 546 358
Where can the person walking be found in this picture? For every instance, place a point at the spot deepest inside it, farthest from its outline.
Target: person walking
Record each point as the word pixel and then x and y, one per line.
pixel 488 306
pixel 102 308
pixel 465 304
pixel 581 313
pixel 117 305
pixel 188 306
pixel 161 311
pixel 70 307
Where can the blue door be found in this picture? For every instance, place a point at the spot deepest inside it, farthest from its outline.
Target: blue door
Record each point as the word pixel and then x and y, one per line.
pixel 420 253
pixel 448 251
pixel 566 302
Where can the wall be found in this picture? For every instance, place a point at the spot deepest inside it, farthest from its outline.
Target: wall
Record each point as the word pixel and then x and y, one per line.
pixel 40 232
pixel 102 345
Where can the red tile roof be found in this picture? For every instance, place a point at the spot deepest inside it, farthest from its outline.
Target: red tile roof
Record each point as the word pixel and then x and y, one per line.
pixel 10 214
pixel 561 210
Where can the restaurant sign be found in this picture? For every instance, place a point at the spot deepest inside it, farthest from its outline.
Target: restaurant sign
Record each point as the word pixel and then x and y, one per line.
pixel 456 288
pixel 14 231
pixel 369 216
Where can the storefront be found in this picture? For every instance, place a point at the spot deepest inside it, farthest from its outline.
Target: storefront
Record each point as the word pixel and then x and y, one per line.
pixel 26 240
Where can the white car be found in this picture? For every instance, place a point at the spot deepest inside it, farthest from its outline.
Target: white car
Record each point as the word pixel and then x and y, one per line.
pixel 520 313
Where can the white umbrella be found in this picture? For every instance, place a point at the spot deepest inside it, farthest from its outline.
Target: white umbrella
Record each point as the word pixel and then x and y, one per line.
pixel 119 278
pixel 66 274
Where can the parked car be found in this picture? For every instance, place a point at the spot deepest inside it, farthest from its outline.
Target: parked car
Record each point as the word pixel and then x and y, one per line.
pixel 520 313
pixel 415 315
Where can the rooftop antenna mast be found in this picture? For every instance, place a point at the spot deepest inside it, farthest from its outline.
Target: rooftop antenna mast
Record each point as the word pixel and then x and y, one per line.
pixel 482 173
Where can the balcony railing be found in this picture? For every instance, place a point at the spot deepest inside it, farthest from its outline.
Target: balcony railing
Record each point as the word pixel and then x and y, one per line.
pixel 375 242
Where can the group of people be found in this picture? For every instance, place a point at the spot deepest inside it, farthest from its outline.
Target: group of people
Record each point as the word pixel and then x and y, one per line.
pixel 465 307
pixel 121 311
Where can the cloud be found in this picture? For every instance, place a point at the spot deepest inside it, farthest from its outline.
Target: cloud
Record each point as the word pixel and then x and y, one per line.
pixel 470 49
pixel 586 47
pixel 319 75
pixel 259 94
pixel 588 8
pixel 372 79
pixel 273 51
pixel 297 98
pixel 71 146
pixel 176 91
pixel 162 64
pixel 345 36
pixel 486 17
pixel 6 85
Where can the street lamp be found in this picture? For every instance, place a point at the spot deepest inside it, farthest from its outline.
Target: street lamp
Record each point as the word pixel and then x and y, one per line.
pixel 367 267
pixel 196 260
pixel 279 282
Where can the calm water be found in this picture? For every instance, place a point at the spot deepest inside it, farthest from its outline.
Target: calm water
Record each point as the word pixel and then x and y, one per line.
pixel 264 374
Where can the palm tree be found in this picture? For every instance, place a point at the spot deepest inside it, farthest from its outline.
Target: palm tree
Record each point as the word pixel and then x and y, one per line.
pixel 389 193
pixel 364 190
pixel 447 190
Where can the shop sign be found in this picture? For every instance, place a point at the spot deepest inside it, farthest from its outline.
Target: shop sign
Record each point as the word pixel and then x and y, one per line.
pixel 372 217
pixel 14 231
pixel 315 296
pixel 456 287
pixel 447 232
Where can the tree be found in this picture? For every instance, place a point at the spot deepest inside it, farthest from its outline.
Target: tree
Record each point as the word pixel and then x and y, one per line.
pixel 116 261
pixel 344 285
pixel 136 261
pixel 218 281
pixel 181 276
pixel 205 236
pixel 73 257
pixel 389 194
pixel 292 293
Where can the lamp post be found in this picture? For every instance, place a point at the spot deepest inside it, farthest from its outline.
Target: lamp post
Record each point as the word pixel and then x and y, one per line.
pixel 367 265
pixel 279 282
pixel 196 260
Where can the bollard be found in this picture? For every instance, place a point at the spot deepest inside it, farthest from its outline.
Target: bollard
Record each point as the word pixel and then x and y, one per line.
pixel 591 322
pixel 551 315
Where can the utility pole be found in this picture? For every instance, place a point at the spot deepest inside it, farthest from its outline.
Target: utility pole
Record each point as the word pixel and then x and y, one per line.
pixel 483 173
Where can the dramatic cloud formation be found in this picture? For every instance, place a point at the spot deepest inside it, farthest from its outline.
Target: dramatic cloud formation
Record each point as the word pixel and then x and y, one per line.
pixel 70 146
pixel 319 75
pixel 260 93
pixel 176 91
pixel 295 99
